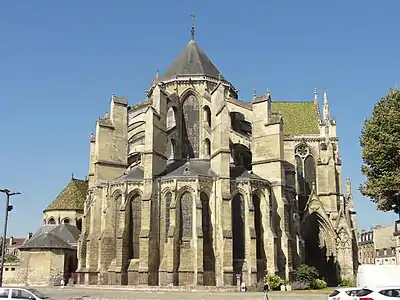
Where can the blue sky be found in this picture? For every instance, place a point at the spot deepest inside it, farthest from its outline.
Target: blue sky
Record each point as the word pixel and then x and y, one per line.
pixel 61 60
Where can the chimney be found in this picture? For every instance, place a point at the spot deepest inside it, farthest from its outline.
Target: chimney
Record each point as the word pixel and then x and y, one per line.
pixel 11 240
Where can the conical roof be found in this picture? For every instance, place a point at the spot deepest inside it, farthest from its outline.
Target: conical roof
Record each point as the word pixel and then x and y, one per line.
pixel 72 196
pixel 191 61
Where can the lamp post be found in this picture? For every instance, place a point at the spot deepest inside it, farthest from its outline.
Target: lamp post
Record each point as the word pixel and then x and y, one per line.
pixel 8 208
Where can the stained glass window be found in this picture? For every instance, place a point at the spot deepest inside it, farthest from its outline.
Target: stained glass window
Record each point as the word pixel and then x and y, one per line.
pixel 191 127
pixel 136 222
pixel 168 198
pixel 186 214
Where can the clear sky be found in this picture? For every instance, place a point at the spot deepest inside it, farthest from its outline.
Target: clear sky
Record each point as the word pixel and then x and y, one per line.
pixel 61 60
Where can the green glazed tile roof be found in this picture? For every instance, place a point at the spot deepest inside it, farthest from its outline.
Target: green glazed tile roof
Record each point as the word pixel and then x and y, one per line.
pixel 298 117
pixel 72 196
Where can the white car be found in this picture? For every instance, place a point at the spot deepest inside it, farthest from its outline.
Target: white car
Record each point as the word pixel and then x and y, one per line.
pixel 344 293
pixel 379 293
pixel 21 293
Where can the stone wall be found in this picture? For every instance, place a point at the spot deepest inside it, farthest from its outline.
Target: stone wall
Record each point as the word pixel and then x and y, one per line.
pixel 36 267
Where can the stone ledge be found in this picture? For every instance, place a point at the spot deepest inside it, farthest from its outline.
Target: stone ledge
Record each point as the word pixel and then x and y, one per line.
pixel 145 288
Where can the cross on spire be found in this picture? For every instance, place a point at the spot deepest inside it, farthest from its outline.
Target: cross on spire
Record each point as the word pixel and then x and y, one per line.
pixel 192 15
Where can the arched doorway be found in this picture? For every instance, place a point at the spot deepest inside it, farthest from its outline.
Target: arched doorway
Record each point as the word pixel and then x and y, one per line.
pixel 238 235
pixel 318 252
pixel 259 230
pixel 208 251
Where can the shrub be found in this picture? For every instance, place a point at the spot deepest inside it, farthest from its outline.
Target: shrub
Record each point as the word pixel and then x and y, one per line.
pixel 300 285
pixel 347 283
pixel 319 284
pixel 306 274
pixel 274 282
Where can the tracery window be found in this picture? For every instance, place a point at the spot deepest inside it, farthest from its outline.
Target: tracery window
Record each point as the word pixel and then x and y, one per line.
pixel 190 110
pixel 168 199
pixel 135 226
pixel 186 215
pixel 306 173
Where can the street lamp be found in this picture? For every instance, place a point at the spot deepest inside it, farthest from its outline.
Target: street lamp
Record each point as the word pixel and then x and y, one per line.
pixel 8 208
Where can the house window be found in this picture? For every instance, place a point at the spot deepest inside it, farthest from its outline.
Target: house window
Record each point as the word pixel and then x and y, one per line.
pixel 12 269
pixel 6 269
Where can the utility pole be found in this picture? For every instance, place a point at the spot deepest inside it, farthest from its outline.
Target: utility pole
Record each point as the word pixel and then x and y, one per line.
pixel 8 208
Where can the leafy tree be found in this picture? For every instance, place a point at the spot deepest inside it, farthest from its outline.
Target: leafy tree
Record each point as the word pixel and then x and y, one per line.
pixel 307 274
pixel 380 143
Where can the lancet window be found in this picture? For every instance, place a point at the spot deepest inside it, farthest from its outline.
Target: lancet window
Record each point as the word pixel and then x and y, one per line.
pixel 306 173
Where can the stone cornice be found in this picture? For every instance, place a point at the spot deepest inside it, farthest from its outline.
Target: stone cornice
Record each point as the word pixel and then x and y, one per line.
pixel 309 138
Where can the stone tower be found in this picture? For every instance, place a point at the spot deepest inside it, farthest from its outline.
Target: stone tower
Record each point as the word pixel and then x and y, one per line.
pixel 67 208
pixel 194 186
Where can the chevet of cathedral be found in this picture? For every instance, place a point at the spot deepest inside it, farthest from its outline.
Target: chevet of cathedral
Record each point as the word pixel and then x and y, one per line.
pixel 195 186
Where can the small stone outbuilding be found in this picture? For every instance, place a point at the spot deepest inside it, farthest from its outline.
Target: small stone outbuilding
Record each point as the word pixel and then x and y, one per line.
pixel 48 256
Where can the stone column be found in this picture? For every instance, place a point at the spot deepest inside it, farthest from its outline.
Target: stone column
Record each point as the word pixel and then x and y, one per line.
pixel 198 239
pixel 121 256
pixel 166 265
pixel 226 216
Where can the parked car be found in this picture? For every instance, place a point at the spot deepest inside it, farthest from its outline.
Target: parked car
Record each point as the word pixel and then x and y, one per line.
pixel 379 293
pixel 344 293
pixel 21 293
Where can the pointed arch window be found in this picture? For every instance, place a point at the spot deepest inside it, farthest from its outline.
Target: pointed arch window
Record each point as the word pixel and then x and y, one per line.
pixel 305 172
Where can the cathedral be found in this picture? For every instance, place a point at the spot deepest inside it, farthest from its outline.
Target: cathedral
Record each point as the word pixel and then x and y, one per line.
pixel 194 186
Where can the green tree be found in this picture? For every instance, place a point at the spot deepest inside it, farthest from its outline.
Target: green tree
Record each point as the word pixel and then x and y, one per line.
pixel 380 143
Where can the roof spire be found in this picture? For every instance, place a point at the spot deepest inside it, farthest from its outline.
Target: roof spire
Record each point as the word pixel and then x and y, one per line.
pixel 315 96
pixel 192 15
pixel 325 106
pixel 72 176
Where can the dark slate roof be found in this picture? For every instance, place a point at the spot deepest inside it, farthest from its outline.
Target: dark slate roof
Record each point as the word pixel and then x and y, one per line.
pixel 72 197
pixel 190 168
pixel 241 173
pixel 63 236
pixel 191 61
pixel 298 117
pixel 134 174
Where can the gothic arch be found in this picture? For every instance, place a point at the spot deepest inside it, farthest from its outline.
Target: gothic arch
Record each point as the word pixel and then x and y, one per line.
pixel 135 191
pixel 238 232
pixel 166 190
pixel 207 147
pixel 207 115
pixel 183 190
pixel 320 247
pixel 115 194
pixel 51 221
pixel 189 91
pixel 208 251
pixel 66 221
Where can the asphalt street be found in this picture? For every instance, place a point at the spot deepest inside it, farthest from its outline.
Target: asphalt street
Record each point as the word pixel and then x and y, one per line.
pixel 69 293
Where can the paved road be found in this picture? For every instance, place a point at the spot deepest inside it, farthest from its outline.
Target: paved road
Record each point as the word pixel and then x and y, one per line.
pixel 109 294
